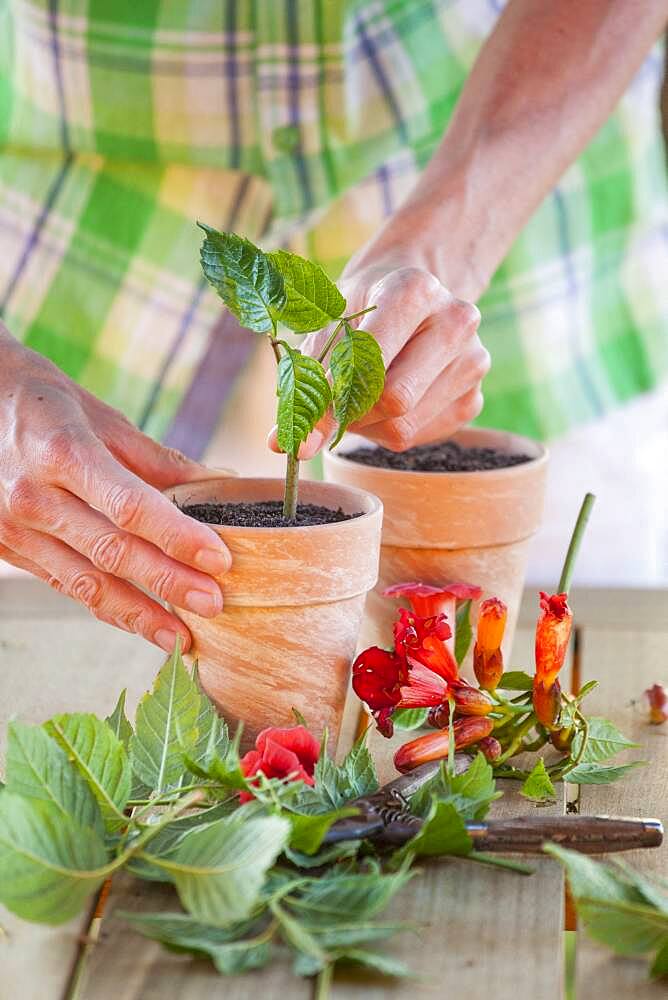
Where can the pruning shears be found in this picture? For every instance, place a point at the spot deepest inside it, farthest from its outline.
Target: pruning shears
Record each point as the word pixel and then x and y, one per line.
pixel 385 816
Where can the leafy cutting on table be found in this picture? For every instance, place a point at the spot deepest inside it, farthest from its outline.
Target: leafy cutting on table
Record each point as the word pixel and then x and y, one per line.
pixel 265 290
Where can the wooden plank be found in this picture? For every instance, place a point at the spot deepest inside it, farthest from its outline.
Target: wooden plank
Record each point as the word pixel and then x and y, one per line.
pixel 625 664
pixel 49 664
pixel 126 966
pixel 483 929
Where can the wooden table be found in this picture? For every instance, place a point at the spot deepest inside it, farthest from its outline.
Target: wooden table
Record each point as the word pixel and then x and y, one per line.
pixel 482 932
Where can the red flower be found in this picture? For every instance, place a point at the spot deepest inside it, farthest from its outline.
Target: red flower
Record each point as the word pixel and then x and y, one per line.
pixel 553 632
pixel 378 675
pixel 281 753
pixel 424 640
pixel 487 655
pixel 427 601
pixel 435 746
pixel 657 701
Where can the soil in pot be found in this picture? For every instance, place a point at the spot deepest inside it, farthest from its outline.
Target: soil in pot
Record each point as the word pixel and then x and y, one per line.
pixel 448 456
pixel 264 514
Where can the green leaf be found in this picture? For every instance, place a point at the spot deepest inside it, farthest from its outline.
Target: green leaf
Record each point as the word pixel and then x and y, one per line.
pixel 358 373
pixel 233 950
pixel 219 869
pixel 101 760
pixel 471 793
pixel 612 909
pixel 335 786
pixel 37 768
pixel 303 397
pixel 328 855
pixel 410 718
pixel 341 898
pixel 443 832
pixel 604 741
pixel 312 299
pixel 354 934
pixel 212 736
pixel 166 727
pixel 516 680
pixel 538 785
pixel 49 864
pixel 308 830
pixel 118 721
pixel 384 964
pixel 595 774
pixel 660 964
pixel 296 934
pixel 463 631
pixel 246 280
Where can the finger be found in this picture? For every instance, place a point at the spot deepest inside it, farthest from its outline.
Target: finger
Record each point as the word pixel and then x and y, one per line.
pixel 447 341
pixel 56 512
pixel 314 442
pixel 428 424
pixel 14 559
pixel 83 466
pixel 109 599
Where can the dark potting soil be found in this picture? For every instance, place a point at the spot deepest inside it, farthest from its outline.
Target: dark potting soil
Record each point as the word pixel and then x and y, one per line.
pixel 263 514
pixel 448 456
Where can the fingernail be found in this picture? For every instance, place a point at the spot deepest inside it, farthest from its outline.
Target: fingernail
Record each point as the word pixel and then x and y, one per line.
pixel 203 603
pixel 213 561
pixel 166 639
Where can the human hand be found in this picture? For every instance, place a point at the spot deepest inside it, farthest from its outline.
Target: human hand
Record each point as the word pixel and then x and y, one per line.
pixel 434 358
pixel 80 505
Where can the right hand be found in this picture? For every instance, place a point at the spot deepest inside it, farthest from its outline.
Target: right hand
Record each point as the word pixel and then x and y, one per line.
pixel 80 505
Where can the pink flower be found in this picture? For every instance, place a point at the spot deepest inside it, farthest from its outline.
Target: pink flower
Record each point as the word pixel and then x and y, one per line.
pixel 281 753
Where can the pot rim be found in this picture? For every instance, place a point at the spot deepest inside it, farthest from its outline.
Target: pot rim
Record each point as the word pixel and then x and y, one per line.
pixel 365 496
pixel 504 472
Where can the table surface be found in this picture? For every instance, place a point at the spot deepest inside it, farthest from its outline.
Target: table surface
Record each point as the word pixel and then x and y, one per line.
pixel 489 931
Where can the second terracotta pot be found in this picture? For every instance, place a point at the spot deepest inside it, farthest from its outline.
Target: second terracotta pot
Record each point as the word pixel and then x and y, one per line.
pixel 446 527
pixel 294 600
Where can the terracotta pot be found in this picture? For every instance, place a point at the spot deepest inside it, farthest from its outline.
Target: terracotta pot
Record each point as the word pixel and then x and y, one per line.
pixel 445 527
pixel 294 600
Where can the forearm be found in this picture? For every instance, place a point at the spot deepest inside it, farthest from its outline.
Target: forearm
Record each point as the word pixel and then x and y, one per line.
pixel 546 79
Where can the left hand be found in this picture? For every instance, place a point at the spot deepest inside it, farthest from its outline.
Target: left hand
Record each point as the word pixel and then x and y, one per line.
pixel 434 358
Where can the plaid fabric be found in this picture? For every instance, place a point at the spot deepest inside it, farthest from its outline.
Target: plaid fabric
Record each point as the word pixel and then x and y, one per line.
pixel 121 123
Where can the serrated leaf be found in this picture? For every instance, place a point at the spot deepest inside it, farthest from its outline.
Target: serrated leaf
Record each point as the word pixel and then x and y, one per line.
pixel 308 830
pixel 595 774
pixel 233 950
pixel 443 832
pixel 101 760
pixel 247 282
pixel 386 965
pixel 612 909
pixel 463 631
pixel 341 898
pixel 119 723
pixel 49 864
pixel 336 785
pixel 297 935
pixel 604 741
pixel 410 718
pixel 326 856
pixel 212 735
pixel 471 793
pixel 166 727
pixel 37 768
pixel 312 299
pixel 303 397
pixel 538 785
pixel 516 680
pixel 219 869
pixel 358 373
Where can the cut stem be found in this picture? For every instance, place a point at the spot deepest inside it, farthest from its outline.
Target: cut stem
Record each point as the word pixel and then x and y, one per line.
pixel 574 547
pixel 291 488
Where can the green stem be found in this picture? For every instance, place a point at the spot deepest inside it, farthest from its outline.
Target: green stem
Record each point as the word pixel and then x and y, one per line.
pixel 291 488
pixel 514 746
pixel 330 340
pixel 583 746
pixel 323 982
pixel 574 546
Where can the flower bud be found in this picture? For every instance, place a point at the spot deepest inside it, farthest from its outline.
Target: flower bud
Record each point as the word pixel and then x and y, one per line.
pixel 561 739
pixel 657 700
pixel 547 702
pixel 487 655
pixel 553 631
pixel 468 701
pixel 491 748
pixel 435 746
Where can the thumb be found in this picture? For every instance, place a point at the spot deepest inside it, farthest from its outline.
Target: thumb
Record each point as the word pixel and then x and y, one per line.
pixel 319 436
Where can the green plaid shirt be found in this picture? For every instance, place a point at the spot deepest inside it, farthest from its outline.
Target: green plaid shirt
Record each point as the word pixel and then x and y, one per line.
pixel 308 120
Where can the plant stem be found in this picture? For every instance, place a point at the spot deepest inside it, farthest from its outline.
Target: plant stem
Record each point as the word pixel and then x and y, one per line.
pixel 583 746
pixel 517 740
pixel 330 340
pixel 574 546
pixel 323 982
pixel 291 488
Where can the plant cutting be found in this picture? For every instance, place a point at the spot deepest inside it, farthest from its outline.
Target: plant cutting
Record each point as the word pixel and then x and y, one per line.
pixel 268 290
pixel 462 510
pixel 303 558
